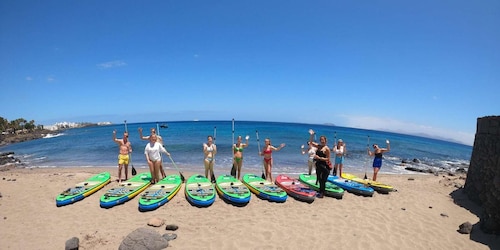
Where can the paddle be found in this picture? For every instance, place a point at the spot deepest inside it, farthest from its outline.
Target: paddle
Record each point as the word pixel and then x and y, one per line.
pixel 334 171
pixel 258 147
pixel 213 175
pixel 158 133
pixel 175 165
pixel 233 169
pixel 368 146
pixel 134 172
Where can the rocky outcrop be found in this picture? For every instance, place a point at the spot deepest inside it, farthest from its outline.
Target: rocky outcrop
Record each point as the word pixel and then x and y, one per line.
pixel 20 137
pixel 8 161
pixel 483 178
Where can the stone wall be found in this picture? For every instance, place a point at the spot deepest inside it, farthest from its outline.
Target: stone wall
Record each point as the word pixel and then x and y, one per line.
pixel 483 178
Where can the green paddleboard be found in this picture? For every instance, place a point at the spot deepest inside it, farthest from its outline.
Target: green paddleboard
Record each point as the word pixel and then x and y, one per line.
pixel 83 189
pixel 200 191
pixel 232 190
pixel 160 193
pixel 331 189
pixel 126 190
pixel 264 189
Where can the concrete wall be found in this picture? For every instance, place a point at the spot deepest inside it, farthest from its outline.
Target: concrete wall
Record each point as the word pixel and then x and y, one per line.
pixel 483 178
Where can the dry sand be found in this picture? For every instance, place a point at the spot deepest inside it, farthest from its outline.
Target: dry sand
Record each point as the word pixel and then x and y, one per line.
pixel 422 214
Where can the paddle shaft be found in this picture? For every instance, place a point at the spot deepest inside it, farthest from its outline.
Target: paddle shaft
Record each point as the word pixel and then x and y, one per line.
pixel 367 146
pixel 233 168
pixel 129 155
pixel 258 147
pixel 175 165
pixel 215 135
pixel 158 133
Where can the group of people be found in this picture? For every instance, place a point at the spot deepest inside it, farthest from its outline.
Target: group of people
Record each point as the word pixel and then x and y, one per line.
pixel 319 155
pixel 210 149
pixel 152 151
pixel 155 147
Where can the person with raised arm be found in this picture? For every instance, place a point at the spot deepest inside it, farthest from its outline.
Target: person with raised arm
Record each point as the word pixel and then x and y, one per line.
pixel 310 152
pixel 322 159
pixel 267 153
pixel 378 153
pixel 238 154
pixel 125 148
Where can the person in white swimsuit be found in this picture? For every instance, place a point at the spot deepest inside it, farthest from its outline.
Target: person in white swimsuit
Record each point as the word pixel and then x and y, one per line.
pixel 159 139
pixel 153 152
pixel 311 152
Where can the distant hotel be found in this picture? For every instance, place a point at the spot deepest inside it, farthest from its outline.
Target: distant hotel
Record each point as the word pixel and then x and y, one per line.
pixel 67 125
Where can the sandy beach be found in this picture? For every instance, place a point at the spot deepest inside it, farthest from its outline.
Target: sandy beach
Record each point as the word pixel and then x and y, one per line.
pixel 424 213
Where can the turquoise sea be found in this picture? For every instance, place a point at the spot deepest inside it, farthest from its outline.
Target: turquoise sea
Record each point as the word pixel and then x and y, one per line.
pixel 93 147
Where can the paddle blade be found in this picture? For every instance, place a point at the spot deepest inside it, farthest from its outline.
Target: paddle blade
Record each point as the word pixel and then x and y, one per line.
pixel 263 176
pixel 134 172
pixel 213 177
pixel 233 171
pixel 182 177
pixel 365 176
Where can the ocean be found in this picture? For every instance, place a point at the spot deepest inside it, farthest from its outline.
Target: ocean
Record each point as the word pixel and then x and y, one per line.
pixel 93 147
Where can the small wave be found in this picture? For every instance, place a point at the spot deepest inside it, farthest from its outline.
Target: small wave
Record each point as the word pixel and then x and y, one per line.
pixel 47 136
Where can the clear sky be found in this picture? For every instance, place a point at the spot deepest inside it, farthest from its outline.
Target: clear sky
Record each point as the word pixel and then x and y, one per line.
pixel 428 67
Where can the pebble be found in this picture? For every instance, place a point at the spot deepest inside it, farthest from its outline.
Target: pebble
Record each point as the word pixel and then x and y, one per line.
pixel 171 227
pixel 170 237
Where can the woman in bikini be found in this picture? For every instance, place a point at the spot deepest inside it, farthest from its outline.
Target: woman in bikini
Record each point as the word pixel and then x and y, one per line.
pixel 268 158
pixel 238 154
pixel 210 150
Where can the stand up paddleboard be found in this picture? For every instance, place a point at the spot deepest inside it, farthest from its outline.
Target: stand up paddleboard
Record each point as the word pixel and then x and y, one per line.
pixel 160 193
pixel 377 186
pixel 351 186
pixel 264 189
pixel 232 190
pixel 295 188
pixel 331 190
pixel 83 189
pixel 126 190
pixel 200 191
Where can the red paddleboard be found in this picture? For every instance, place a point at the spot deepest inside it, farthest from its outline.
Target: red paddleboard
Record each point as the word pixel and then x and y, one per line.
pixel 295 188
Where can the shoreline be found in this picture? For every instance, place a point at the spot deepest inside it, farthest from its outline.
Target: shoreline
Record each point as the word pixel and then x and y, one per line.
pixel 424 213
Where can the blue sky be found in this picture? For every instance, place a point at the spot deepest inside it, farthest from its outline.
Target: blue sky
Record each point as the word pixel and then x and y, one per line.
pixel 427 67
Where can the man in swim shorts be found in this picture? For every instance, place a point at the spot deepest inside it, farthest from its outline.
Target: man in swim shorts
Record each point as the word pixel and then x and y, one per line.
pixel 125 148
